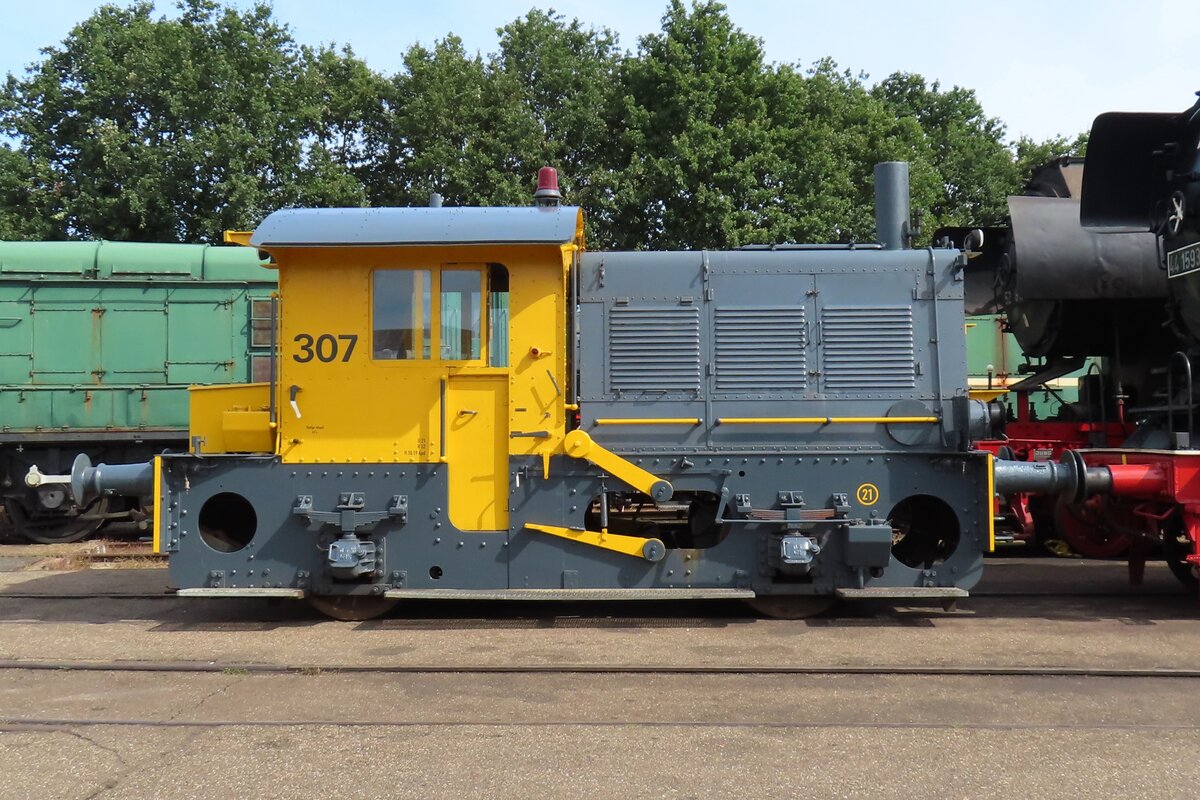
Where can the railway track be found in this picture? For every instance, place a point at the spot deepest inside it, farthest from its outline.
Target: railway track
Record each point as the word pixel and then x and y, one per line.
pixel 83 554
pixel 14 724
pixel 171 595
pixel 237 668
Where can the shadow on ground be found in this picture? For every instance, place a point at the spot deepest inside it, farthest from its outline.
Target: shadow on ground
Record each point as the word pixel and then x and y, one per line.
pixel 1013 589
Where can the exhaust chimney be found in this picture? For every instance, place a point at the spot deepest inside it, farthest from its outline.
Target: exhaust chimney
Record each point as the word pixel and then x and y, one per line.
pixel 892 222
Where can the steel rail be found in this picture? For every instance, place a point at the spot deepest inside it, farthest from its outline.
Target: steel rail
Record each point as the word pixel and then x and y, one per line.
pixel 975 595
pixel 52 724
pixel 259 668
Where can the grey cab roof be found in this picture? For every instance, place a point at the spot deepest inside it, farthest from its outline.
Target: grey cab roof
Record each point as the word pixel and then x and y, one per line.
pixel 367 227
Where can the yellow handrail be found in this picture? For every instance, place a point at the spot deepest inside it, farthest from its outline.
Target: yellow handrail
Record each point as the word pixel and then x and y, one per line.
pixel 651 421
pixel 827 420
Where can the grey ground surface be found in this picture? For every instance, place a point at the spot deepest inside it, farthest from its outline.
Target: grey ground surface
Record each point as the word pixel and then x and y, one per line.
pixel 593 736
pixel 110 734
pixel 1022 625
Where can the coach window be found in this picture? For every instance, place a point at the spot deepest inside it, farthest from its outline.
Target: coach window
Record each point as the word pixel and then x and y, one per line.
pixel 262 319
pixel 462 315
pixel 401 314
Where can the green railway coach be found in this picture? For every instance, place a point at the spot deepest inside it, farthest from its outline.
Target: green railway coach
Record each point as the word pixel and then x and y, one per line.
pixel 99 342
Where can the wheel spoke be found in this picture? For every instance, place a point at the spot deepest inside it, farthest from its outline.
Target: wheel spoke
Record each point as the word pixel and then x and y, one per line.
pixel 56 528
pixel 1086 530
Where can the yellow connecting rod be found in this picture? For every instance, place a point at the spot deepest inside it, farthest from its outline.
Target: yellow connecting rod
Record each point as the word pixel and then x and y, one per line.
pixel 579 445
pixel 649 549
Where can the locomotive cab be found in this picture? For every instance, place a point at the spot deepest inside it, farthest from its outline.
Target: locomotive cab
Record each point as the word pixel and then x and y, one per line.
pixel 402 350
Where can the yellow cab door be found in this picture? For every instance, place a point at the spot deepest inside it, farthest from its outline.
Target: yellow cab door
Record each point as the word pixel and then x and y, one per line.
pixel 477 451
pixel 476 395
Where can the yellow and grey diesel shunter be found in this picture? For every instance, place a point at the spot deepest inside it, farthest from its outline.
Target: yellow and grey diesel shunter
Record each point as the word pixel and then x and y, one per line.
pixel 468 405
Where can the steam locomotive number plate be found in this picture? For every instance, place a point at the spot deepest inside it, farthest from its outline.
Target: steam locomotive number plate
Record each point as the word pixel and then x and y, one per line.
pixel 1183 260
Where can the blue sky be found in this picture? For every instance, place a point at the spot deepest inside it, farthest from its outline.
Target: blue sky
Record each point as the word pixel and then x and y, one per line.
pixel 1044 68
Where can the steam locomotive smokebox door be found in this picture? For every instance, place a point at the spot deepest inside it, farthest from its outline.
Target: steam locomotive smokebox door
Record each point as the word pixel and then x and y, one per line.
pixel 477 451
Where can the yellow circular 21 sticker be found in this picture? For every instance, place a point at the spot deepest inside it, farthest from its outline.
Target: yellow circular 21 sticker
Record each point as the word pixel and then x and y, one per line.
pixel 867 494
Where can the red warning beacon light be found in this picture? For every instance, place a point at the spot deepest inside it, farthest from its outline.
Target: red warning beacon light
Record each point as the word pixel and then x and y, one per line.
pixel 547 194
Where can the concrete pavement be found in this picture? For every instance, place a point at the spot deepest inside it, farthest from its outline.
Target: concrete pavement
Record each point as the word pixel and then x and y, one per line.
pixel 367 736
pixel 99 735
pixel 1119 629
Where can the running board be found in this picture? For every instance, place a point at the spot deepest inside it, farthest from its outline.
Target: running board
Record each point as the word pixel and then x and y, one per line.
pixel 570 594
pixel 903 593
pixel 935 593
pixel 293 594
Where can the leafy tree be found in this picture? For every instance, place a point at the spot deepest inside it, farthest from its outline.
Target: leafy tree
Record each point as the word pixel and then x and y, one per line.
pixel 967 147
pixel 1029 153
pixel 453 125
pixel 721 149
pixel 833 133
pixel 138 127
pixel 27 207
pixel 698 156
pixel 174 129
pixel 568 79
pixel 347 98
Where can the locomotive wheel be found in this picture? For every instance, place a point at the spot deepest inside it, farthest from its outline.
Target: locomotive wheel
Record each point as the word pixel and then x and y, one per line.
pixel 1084 529
pixel 352 607
pixel 56 528
pixel 1177 546
pixel 790 606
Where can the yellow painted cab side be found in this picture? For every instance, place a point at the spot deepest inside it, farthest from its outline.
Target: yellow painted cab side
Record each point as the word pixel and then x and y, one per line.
pixel 351 390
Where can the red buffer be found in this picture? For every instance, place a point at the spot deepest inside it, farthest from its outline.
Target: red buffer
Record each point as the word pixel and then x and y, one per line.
pixel 1019 515
pixel 1155 493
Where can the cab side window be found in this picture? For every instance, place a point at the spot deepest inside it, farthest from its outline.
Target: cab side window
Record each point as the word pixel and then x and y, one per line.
pixel 402 301
pixel 462 315
pixel 497 315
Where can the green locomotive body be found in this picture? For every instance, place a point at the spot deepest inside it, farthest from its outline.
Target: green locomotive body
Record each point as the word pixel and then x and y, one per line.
pixel 98 344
